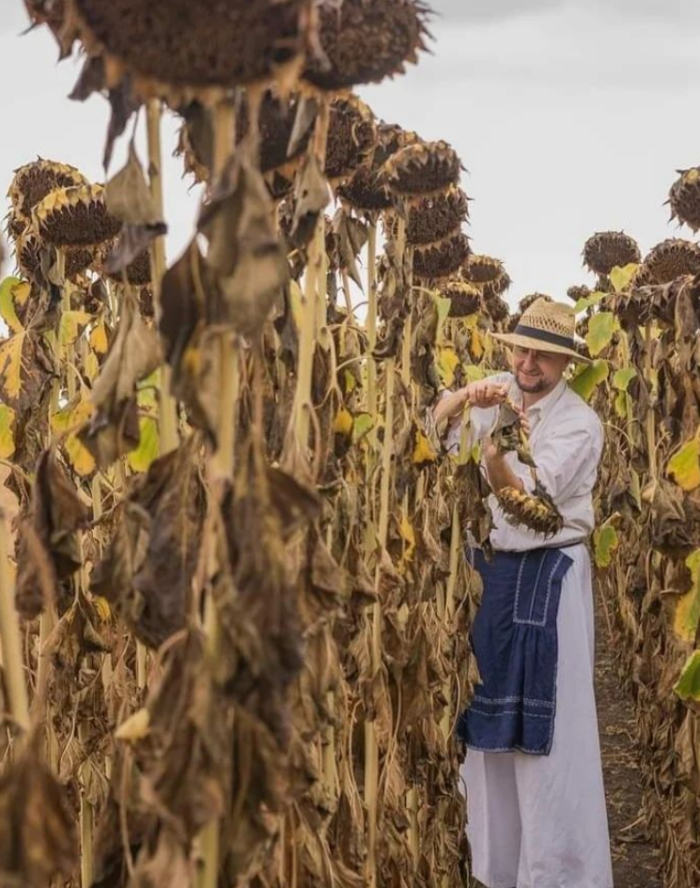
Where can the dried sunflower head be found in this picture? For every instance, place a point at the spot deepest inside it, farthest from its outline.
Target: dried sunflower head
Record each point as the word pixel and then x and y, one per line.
pixel 527 301
pixel 275 124
pixel 34 257
pixel 32 182
pixel 442 258
pixel 607 249
pixel 536 512
pixel 75 217
pixel 671 259
pixel 433 218
pixel 684 198
pixel 192 47
pixel 423 168
pixel 365 41
pixel 351 138
pixel 496 308
pixel 367 190
pixel 578 291
pixel 138 272
pixel 465 298
pixel 487 273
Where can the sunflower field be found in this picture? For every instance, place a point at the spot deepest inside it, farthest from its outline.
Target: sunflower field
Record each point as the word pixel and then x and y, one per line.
pixel 234 607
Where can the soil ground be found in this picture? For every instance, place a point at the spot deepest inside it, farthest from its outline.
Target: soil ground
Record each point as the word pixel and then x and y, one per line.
pixel 635 860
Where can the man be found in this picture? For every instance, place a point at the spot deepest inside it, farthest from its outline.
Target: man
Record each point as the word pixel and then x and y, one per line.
pixel 533 774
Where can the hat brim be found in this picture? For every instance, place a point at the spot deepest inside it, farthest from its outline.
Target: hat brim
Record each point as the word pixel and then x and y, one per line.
pixel 538 345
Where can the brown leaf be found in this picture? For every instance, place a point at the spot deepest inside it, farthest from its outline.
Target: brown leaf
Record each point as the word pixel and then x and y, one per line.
pixel 37 831
pixel 48 547
pixel 312 196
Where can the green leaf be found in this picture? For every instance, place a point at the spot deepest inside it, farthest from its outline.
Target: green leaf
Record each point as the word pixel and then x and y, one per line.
pixel 443 310
pixel 71 326
pixel 589 378
pixel 589 301
pixel 684 467
pixel 605 542
pixel 7 431
pixel 362 426
pixel 622 378
pixel 600 331
pixel 688 685
pixel 620 278
pixel 149 445
pixel 7 304
pixel 687 613
pixel 620 405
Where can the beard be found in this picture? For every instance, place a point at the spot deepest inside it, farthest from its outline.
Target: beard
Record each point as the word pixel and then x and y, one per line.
pixel 532 388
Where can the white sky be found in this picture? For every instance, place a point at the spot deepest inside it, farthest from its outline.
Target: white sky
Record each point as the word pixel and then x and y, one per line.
pixel 570 115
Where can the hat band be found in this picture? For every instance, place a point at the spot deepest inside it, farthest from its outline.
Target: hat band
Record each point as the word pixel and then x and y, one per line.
pixel 544 336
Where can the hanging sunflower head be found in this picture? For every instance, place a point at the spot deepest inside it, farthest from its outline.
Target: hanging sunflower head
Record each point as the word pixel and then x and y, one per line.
pixel 670 259
pixel 684 198
pixel 487 273
pixel 465 298
pixel 35 257
pixel 440 259
pixel 578 291
pixel 138 272
pixel 184 48
pixel 537 513
pixel 364 41
pixel 31 183
pixel 352 138
pixel 423 168
pixel 607 249
pixel 75 217
pixel 435 217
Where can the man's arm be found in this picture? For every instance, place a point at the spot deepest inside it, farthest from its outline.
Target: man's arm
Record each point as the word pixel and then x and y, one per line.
pixel 499 473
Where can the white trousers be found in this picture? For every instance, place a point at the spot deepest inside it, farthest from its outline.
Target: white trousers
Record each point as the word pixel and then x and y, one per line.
pixel 540 821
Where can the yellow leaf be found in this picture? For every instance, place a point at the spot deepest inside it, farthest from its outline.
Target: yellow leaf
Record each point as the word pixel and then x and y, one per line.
pixel 605 541
pixel 687 614
pixel 91 366
pixel 447 364
pixel 423 452
pixel 362 426
pixel 343 422
pixel 600 331
pixel 620 277
pixel 98 338
pixel 21 292
pixel 104 611
pixel 71 326
pixel 11 364
pixel 8 290
pixel 476 345
pixel 7 431
pixel 684 467
pixel 588 301
pixel 149 445
pixel 620 405
pixel 71 419
pixel 136 727
pixel 474 372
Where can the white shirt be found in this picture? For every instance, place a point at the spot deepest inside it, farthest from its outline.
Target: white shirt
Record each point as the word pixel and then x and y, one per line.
pixel 566 442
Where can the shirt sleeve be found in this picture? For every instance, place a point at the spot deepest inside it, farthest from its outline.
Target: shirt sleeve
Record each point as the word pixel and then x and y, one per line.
pixel 567 459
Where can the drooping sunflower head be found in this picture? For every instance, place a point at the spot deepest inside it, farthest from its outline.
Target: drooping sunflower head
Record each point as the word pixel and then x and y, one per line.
pixel 423 168
pixel 465 298
pixel 34 257
pixel 75 217
pixel 351 138
pixel 138 272
pixel 364 41
pixel 671 259
pixel 440 259
pixel 31 183
pixel 538 513
pixel 487 273
pixel 607 249
pixel 578 291
pixel 435 217
pixel 684 198
pixel 184 47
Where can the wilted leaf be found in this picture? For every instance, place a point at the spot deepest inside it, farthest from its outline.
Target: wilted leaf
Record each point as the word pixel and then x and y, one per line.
pixel 363 424
pixel 135 727
pixel 687 613
pixel 312 196
pixel 605 542
pixel 128 196
pixel 589 377
pixel 149 444
pixel 600 331
pixel 621 278
pixel 447 363
pixel 98 338
pixel 73 416
pixel 8 313
pixel 343 422
pixel 423 452
pixel 11 364
pixel 622 378
pixel 688 685
pixel 71 325
pixel 7 431
pixel 684 466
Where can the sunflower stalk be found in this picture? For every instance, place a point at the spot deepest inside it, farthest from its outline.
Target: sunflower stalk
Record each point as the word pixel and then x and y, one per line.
pixel 10 636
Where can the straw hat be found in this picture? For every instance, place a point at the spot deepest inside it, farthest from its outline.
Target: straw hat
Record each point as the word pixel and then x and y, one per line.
pixel 546 327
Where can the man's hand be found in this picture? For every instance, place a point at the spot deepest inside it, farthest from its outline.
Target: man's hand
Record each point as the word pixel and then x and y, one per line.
pixel 477 394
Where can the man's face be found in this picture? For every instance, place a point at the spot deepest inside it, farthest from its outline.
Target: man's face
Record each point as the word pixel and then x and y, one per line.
pixel 537 372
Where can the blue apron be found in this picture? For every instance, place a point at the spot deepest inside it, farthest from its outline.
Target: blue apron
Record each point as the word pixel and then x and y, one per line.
pixel 514 639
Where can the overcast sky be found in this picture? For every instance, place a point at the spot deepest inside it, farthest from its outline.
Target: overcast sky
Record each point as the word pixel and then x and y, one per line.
pixel 571 117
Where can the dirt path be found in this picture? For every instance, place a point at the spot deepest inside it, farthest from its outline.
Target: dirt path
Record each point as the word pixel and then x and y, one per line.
pixel 635 860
